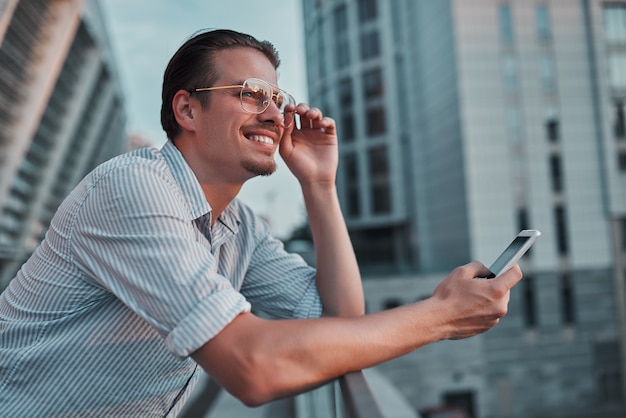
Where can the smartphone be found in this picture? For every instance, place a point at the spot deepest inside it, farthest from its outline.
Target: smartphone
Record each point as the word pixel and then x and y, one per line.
pixel 514 252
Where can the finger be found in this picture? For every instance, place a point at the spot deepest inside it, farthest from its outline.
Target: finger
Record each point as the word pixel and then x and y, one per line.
pixel 510 277
pixel 289 118
pixel 309 116
pixel 328 125
pixel 476 269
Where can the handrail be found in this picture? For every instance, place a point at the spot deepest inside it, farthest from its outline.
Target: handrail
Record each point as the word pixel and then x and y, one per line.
pixel 358 398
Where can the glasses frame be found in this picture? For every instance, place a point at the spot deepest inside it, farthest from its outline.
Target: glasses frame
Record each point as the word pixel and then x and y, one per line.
pixel 275 91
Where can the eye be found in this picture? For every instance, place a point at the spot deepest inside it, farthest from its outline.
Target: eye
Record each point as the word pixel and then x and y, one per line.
pixel 254 94
pixel 279 100
pixel 248 93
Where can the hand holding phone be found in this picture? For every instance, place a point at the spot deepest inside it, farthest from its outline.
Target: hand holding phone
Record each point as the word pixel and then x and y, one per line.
pixel 514 252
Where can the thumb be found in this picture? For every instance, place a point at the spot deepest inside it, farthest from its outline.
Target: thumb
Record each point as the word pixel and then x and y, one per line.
pixel 510 277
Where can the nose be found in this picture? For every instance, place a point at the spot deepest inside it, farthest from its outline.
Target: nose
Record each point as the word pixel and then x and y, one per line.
pixel 272 115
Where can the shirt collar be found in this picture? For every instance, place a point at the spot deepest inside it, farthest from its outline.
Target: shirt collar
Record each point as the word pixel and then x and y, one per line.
pixel 191 189
pixel 187 181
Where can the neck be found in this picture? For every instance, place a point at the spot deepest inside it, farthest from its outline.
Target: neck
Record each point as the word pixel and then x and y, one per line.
pixel 219 196
pixel 218 188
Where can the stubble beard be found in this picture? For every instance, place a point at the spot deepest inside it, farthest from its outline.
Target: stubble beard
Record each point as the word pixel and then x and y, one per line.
pixel 259 169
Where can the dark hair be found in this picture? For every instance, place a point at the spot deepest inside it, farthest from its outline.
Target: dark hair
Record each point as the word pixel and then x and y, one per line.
pixel 193 66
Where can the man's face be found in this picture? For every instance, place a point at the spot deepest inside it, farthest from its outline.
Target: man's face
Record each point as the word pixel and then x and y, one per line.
pixel 239 145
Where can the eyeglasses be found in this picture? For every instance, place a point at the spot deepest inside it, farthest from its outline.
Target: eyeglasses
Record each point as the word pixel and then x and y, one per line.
pixel 256 96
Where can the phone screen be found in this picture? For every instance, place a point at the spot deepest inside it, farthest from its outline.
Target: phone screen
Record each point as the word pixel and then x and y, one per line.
pixel 507 254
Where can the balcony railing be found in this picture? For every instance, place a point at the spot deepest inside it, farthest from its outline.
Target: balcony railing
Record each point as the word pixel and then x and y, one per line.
pixel 348 397
pixel 358 398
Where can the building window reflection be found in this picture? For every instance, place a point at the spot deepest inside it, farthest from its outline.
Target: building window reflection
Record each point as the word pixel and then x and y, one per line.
pixel 614 22
pixel 543 23
pixel 353 198
pixel 379 178
pixel 506 24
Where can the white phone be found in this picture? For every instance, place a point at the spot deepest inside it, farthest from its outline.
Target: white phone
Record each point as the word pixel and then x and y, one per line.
pixel 514 252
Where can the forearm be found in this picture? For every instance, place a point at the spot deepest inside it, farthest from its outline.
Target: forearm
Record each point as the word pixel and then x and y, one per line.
pixel 260 360
pixel 266 360
pixel 338 277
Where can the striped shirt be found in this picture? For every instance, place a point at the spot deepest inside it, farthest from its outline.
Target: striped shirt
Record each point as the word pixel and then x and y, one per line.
pixel 129 281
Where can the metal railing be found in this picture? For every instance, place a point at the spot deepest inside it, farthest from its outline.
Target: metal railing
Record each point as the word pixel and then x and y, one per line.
pixel 354 400
pixel 358 398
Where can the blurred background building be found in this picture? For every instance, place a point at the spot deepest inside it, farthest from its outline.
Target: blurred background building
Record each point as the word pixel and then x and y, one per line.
pixel 461 123
pixel 61 114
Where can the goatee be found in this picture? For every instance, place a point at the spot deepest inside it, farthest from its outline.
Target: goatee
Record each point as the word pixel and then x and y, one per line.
pixel 260 169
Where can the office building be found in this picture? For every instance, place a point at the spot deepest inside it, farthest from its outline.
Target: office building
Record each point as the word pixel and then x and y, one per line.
pixel 61 114
pixel 462 122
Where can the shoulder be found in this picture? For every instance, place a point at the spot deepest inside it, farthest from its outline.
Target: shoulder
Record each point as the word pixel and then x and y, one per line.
pixel 148 160
pixel 133 181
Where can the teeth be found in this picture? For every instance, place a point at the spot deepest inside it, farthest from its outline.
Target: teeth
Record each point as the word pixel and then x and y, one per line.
pixel 261 139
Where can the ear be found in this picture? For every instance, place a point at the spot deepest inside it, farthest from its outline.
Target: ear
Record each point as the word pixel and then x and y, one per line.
pixel 184 110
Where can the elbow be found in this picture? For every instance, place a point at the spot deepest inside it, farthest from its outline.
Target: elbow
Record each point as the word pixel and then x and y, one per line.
pixel 252 398
pixel 254 392
pixel 258 384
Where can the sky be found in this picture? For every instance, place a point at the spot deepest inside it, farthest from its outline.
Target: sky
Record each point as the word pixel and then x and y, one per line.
pixel 144 34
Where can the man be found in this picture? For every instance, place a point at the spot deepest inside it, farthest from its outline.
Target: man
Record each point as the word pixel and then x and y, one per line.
pixel 151 265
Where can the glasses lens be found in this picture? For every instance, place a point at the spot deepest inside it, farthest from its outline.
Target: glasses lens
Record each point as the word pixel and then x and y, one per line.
pixel 256 96
pixel 283 99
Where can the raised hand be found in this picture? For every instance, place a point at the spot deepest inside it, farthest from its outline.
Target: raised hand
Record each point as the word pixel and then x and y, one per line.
pixel 310 149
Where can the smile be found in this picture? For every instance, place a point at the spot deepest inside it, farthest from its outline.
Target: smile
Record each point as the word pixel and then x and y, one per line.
pixel 262 139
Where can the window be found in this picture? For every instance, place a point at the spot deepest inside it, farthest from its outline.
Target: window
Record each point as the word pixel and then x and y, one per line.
pixel 509 67
pixel 606 354
pixel 342 53
pixel 370 45
pixel 522 219
pixel 506 25
pixel 555 173
pixel 546 70
pixel 342 46
pixel 617 70
pixel 623 227
pixel 374 247
pixel 621 161
pixel 341 19
pixel 373 83
pixel 515 124
pixel 543 23
pixel 346 100
pixel 614 17
pixel 379 178
pixel 375 121
pixel 348 131
pixel 620 121
pixel 561 230
pixel 367 10
pixel 345 92
pixel 552 130
pixel 350 167
pixel 529 307
pixel 568 314
pixel 462 400
pixel 321 49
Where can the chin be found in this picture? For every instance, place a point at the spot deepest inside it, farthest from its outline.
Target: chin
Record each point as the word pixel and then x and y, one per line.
pixel 260 169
